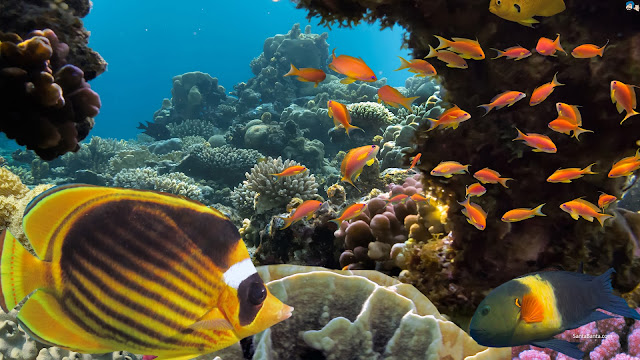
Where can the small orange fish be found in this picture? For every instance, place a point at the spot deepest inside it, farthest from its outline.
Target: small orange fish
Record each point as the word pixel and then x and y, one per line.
pixel 548 47
pixel 353 68
pixel 588 51
pixel 449 168
pixel 394 98
pixel 566 126
pixel 398 199
pixel 417 198
pixel 514 52
pixel 624 96
pixel 487 175
pixel 290 171
pixel 452 59
pixel 569 112
pixel 625 166
pixel 450 118
pixel 520 214
pixel 579 207
pixel 468 49
pixel 475 189
pixel 476 216
pixel 539 143
pixel 349 213
pixel 304 210
pixel 501 100
pixel 307 74
pixel 355 160
pixel 419 67
pixel 542 92
pixel 605 200
pixel 415 161
pixel 566 175
pixel 340 115
pixel 628 159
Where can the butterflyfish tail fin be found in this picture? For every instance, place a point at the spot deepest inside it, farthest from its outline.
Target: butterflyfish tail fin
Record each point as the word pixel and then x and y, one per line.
pixel 610 302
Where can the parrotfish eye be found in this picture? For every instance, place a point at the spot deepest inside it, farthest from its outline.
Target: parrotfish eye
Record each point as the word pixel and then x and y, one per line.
pixel 487 309
pixel 257 293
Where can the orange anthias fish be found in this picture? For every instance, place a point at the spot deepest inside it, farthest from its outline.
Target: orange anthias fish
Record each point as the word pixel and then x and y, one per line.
pixel 566 126
pixel 415 161
pixel 304 210
pixel 514 52
pixel 475 189
pixel 353 68
pixel 398 199
pixel 349 213
pixel 487 175
pixel 340 115
pixel 542 92
pixel 452 59
pixel 588 51
pixel 417 198
pixel 419 67
pixel 307 74
pixel 394 98
pixel 548 47
pixel 566 175
pixel 142 271
pixel 626 166
pixel 569 112
pixel 624 96
pixel 476 216
pixel 450 118
pixel 449 168
pixel 290 171
pixel 506 98
pixel 520 214
pixel 468 49
pixel 605 200
pixel 539 143
pixel 355 160
pixel 587 210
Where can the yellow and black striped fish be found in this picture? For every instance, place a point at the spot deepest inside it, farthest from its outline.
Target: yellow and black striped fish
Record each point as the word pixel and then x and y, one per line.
pixel 141 271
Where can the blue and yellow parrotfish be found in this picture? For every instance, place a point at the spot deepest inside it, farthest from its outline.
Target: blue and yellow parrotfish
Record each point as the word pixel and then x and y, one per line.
pixel 142 271
pixel 532 309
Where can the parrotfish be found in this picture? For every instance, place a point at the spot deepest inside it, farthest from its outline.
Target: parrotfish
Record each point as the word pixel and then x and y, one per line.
pixel 520 214
pixel 450 118
pixel 304 210
pixel 394 98
pixel 566 126
pixel 476 216
pixel 548 47
pixel 467 48
pixel 568 174
pixel 452 59
pixel 340 115
pixel 523 12
pixel 307 74
pixel 355 160
pixel 624 97
pixel 349 213
pixel 475 189
pixel 501 100
pixel 605 200
pixel 449 168
pixel 542 92
pixel 353 68
pixel 533 308
pixel 588 51
pixel 290 171
pixel 487 175
pixel 539 143
pixel 142 271
pixel 419 67
pixel 514 52
pixel 580 207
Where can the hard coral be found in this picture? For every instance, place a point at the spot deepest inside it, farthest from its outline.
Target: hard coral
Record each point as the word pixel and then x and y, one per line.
pixel 46 105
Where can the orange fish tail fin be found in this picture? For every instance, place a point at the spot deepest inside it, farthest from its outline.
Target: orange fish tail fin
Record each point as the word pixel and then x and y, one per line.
pixel 293 71
pixel 579 131
pixel 629 114
pixel 277 176
pixel 336 221
pixel 555 81
pixel 538 210
pixel 601 50
pixel 521 135
pixel 503 181
pixel 486 107
pixel 22 272
pixel 444 43
pixel 333 54
pixel 557 44
pixel 587 170
pixel 404 64
pixel 433 124
pixel 347 180
pixel 432 52
pixel 500 54
pixel 602 218
pixel 408 101
pixel 287 222
pixel 350 127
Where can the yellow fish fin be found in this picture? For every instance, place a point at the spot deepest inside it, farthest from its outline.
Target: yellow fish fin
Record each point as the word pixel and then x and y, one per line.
pixel 575 216
pixel 22 273
pixel 347 80
pixel 528 22
pixel 330 112
pixel 371 161
pixel 619 107
pixel 43 312
pixel 212 320
pixel 177 357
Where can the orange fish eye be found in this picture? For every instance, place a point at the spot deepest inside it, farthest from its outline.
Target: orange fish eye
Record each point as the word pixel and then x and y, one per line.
pixel 518 302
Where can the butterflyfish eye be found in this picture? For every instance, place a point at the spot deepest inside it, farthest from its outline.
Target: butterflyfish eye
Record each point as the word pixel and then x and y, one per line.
pixel 257 293
pixel 517 7
pixel 518 302
pixel 485 310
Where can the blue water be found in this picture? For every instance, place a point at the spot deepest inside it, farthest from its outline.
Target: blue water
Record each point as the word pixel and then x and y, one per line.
pixel 146 43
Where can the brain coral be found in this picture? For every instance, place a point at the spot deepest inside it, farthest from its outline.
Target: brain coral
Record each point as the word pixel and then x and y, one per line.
pixel 372 114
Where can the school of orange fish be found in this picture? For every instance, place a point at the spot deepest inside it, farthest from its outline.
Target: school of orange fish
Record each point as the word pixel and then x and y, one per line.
pixel 454 53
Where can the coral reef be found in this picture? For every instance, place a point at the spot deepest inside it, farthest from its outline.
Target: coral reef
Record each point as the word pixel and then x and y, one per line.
pixel 147 178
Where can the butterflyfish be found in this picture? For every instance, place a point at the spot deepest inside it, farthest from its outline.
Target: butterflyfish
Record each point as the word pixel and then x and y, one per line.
pixel 142 271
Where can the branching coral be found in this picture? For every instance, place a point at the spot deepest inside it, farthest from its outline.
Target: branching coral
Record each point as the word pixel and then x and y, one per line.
pixel 192 127
pixel 148 178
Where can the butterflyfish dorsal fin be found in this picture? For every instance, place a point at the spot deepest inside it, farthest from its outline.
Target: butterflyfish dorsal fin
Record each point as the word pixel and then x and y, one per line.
pixel 214 319
pixel 531 310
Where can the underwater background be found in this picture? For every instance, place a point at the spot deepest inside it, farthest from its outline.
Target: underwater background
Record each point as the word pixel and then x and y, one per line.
pixel 384 228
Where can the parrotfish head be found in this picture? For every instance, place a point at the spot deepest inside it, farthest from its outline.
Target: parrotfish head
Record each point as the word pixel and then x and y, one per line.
pixel 498 315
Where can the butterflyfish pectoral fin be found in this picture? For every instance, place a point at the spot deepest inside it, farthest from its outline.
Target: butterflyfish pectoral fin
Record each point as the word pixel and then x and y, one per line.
pixel 43 312
pixel 214 319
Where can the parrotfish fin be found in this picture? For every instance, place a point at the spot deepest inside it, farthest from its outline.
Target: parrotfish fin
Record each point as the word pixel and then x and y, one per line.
pixel 568 348
pixel 532 310
pixel 43 312
pixel 347 80
pixel 594 316
pixel 212 320
pixel 612 303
